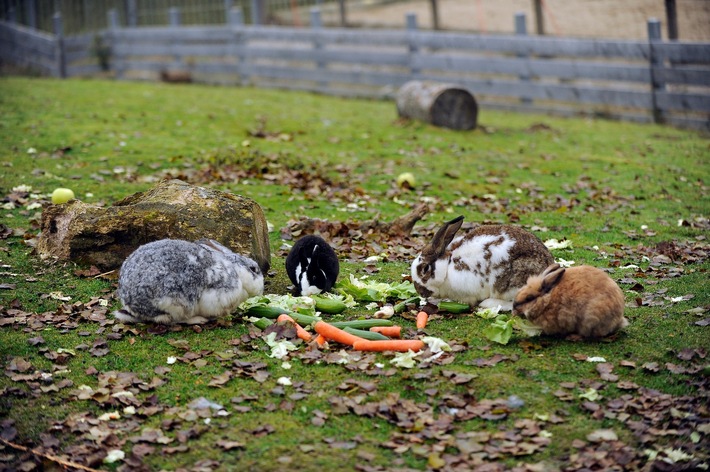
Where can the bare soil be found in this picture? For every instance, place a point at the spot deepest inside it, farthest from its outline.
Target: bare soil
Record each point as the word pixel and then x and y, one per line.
pixel 611 19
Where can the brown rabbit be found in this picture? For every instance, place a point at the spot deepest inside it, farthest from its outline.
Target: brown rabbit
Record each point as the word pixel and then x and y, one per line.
pixel 582 300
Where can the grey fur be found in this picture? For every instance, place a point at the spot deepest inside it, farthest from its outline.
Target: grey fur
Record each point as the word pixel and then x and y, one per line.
pixel 174 281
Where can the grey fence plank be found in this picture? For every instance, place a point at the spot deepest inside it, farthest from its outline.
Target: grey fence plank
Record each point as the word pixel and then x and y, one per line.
pixel 684 75
pixel 534 46
pixel 82 70
pixel 157 49
pixel 319 75
pixel 556 92
pixel 172 34
pixel 327 35
pixel 350 56
pixel 562 69
pixel 685 52
pixel 683 102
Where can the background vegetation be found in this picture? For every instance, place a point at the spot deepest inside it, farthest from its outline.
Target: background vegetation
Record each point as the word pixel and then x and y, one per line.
pixel 632 199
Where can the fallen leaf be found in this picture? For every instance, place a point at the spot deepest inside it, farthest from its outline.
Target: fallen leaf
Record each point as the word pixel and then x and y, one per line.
pixel 601 435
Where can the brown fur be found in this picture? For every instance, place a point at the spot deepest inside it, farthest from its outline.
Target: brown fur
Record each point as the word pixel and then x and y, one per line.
pixel 582 300
pixel 528 253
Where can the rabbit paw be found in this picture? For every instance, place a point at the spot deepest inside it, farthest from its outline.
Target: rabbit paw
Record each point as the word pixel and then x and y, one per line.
pixel 125 317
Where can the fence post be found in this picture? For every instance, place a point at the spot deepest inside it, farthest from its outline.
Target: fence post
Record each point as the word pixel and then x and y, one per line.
pixel 113 26
pixel 131 13
pixel 112 18
pixel 316 25
pixel 59 33
pixel 228 4
pixel 236 22
pixel 656 64
pixel 672 20
pixel 175 21
pixel 522 30
pixel 434 14
pixel 256 12
pixel 343 13
pixel 411 19
pixel 539 18
pixel 174 15
pixel 32 14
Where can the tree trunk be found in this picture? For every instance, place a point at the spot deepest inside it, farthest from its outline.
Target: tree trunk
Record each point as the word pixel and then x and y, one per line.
pixel 439 104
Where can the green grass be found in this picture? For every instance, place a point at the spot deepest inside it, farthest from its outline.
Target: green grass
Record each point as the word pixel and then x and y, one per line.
pixel 615 189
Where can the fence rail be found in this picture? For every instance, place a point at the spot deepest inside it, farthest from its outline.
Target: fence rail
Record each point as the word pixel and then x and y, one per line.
pixel 633 80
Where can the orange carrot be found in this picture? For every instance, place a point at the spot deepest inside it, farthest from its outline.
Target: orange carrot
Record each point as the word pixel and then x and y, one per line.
pixel 320 340
pixel 391 331
pixel 300 332
pixel 332 333
pixel 399 345
pixel 422 318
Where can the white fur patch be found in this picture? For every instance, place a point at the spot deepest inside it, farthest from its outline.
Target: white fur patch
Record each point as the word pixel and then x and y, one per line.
pixel 476 283
pixel 217 303
pixel 302 277
pixel 307 289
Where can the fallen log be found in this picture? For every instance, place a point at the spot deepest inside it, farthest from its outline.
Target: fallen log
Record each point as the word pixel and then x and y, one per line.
pixel 437 103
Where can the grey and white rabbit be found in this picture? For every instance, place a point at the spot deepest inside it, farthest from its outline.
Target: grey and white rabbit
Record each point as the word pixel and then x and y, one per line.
pixel 312 265
pixel 173 281
pixel 486 266
pixel 581 300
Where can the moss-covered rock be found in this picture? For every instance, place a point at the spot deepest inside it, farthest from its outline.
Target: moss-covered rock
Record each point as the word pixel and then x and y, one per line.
pixel 105 236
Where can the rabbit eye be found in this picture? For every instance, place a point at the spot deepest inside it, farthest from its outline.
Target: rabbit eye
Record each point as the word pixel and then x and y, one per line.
pixel 529 298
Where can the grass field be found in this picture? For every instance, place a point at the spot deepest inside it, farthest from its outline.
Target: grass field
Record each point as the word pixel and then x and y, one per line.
pixel 632 199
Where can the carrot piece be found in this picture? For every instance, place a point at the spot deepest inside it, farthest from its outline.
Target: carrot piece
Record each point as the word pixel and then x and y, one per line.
pixel 300 332
pixel 399 345
pixel 320 340
pixel 332 333
pixel 422 318
pixel 391 331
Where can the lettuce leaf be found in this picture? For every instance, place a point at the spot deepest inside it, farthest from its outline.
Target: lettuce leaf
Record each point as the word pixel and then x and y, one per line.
pixel 500 330
pixel 526 327
pixel 303 305
pixel 372 291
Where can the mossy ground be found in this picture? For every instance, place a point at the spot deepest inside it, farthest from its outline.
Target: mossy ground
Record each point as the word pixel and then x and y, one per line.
pixel 615 189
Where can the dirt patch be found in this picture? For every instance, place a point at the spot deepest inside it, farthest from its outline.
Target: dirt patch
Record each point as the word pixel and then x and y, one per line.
pixel 609 19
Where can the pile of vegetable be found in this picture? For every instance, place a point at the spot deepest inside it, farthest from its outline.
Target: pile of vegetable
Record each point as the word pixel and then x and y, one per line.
pixel 378 333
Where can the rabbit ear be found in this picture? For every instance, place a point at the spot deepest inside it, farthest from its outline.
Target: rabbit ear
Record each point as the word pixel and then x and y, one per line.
pixel 551 268
pixel 552 277
pixel 212 245
pixel 441 239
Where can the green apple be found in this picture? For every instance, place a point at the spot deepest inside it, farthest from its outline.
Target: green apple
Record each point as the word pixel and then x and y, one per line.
pixel 406 180
pixel 62 195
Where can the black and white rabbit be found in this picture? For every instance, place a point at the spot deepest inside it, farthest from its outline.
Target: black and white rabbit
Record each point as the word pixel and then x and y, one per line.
pixel 173 281
pixel 312 265
pixel 487 265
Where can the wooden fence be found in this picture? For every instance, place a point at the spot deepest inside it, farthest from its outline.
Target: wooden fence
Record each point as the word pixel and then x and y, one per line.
pixel 667 82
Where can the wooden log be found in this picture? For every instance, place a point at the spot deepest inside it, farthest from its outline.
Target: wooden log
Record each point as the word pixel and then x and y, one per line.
pixel 437 103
